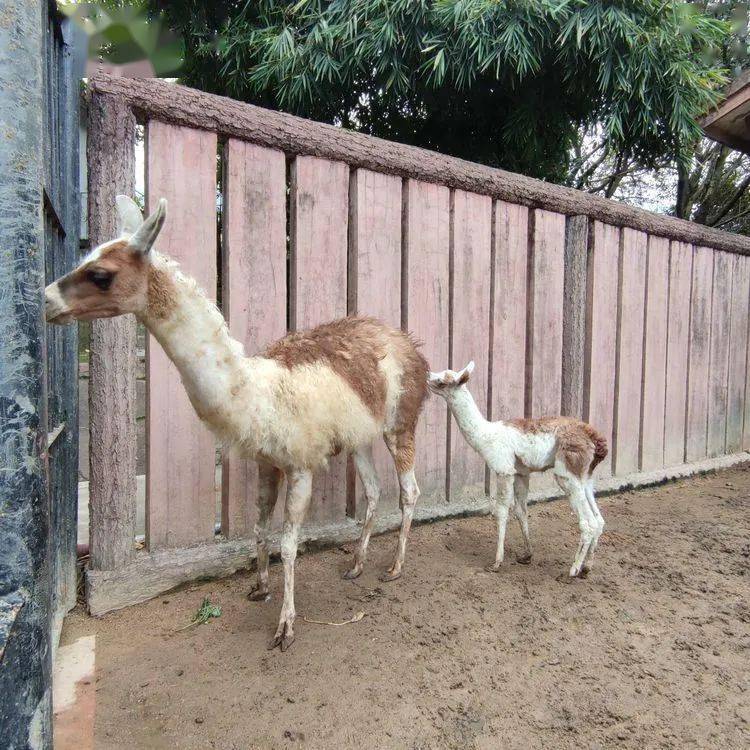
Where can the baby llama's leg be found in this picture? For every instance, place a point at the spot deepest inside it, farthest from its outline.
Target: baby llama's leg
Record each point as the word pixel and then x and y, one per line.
pixel 575 490
pixel 501 505
pixel 269 478
pixel 521 490
pixel 588 562
pixel 369 478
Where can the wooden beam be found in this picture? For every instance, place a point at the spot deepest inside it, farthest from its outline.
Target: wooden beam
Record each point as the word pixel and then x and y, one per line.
pixel 112 368
pixel 153 98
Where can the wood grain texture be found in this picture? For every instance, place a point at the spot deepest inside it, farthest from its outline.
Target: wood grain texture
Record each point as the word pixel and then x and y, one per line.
pixel 655 355
pixel 375 285
pixel 545 310
pixel 601 333
pixel 426 308
pixel 320 208
pixel 508 382
pixel 678 332
pixel 470 317
pixel 718 368
pixel 112 363
pixel 699 349
pixel 738 354
pixel 180 493
pixel 294 135
pixel 574 315
pixel 253 292
pixel 631 303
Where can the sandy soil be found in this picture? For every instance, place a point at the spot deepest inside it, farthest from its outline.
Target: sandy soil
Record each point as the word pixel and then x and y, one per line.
pixel 653 650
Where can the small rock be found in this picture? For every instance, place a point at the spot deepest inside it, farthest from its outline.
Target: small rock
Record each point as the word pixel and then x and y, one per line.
pixel 199 720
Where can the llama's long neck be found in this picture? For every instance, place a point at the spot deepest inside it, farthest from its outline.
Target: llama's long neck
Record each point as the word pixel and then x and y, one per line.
pixel 194 335
pixel 470 420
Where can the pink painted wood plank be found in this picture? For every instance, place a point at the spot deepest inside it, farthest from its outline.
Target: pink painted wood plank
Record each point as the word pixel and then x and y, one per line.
pixel 320 210
pixel 699 349
pixel 718 368
pixel 509 317
pixel 544 385
pixel 253 292
pixel 181 452
pixel 472 273
pixel 632 302
pixel 738 353
pixel 678 329
pixel 655 355
pixel 601 333
pixel 427 248
pixel 375 284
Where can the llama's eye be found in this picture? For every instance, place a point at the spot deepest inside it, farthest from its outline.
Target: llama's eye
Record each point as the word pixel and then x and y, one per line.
pixel 102 279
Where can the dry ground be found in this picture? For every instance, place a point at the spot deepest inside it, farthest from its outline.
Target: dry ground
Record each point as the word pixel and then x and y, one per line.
pixel 653 650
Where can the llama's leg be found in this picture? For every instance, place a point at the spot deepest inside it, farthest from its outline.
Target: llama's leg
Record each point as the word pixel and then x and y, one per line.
pixel 269 478
pixel 402 449
pixel 575 489
pixel 297 501
pixel 521 491
pixel 501 505
pixel 369 477
pixel 588 562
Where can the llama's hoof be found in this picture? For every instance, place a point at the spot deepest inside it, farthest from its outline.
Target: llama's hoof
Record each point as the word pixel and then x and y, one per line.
pixel 390 575
pixel 352 573
pixel 283 639
pixel 524 559
pixel 259 595
pixel 584 572
pixel 493 567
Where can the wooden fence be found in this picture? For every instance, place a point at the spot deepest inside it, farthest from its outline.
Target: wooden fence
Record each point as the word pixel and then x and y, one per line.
pixel 567 302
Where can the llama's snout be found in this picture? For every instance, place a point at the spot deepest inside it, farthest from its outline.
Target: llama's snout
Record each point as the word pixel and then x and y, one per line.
pixel 55 307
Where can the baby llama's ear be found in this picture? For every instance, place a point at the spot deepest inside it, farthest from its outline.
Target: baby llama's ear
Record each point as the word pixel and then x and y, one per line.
pixel 463 376
pixel 129 216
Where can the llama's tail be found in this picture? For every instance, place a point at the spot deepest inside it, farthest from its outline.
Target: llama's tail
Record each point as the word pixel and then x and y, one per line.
pixel 600 447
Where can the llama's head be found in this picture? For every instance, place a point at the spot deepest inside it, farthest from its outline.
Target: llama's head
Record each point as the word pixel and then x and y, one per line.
pixel 112 279
pixel 447 382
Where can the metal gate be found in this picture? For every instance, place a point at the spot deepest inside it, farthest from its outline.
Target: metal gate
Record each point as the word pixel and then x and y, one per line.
pixel 40 72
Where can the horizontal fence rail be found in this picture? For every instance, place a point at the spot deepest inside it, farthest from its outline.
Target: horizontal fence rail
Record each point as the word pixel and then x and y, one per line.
pixel 566 302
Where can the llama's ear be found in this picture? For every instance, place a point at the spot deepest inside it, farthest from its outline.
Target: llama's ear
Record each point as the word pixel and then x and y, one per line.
pixel 143 240
pixel 129 216
pixel 463 376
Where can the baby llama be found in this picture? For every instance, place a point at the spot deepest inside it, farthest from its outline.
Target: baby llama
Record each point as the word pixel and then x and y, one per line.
pixel 512 450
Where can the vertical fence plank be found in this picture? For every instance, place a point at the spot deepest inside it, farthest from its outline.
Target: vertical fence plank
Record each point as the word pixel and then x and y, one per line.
pixel 253 291
pixel 737 352
pixel 375 283
pixel 472 268
pixel 319 207
pixel 699 347
pixel 508 380
pixel 425 308
pixel 678 332
pixel 112 369
pixel 545 325
pixel 655 355
pixel 719 356
pixel 180 491
pixel 601 333
pixel 574 315
pixel 631 302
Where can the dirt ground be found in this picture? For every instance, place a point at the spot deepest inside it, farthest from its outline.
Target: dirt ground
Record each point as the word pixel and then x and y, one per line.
pixel 652 650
